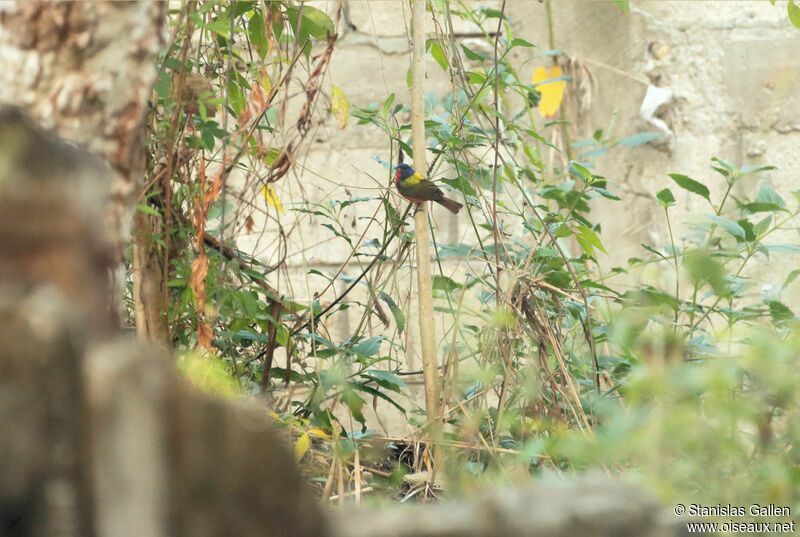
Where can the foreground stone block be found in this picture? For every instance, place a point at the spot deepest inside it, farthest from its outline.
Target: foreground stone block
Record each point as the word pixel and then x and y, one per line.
pixel 596 507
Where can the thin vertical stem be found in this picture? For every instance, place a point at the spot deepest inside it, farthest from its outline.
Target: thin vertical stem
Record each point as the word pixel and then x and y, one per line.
pixel 495 230
pixel 551 42
pixel 677 271
pixel 427 326
pixel 501 346
pixel 224 189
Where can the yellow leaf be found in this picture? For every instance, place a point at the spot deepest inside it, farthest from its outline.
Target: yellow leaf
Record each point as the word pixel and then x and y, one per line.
pixel 271 197
pixel 340 106
pixel 316 432
pixel 552 92
pixel 301 446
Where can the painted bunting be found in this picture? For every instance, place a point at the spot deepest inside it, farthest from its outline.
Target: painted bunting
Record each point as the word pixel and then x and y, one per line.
pixel 415 188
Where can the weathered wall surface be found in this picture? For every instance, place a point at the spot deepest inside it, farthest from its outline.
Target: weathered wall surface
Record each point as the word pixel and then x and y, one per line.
pixel 733 68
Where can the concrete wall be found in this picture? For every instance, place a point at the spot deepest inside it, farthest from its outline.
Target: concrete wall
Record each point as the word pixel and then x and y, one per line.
pixel 734 69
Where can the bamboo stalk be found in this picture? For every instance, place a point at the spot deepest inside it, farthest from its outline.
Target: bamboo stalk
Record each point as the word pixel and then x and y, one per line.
pixel 427 327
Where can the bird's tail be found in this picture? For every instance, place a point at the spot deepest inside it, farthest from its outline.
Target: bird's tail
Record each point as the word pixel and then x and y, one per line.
pixel 451 205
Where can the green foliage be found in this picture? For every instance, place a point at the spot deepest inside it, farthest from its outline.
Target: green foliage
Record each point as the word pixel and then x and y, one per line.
pixel 623 5
pixel 722 430
pixel 666 198
pixel 680 375
pixel 687 183
pixel 209 374
pixel 602 142
pixel 794 13
pixel 707 403
pixel 230 58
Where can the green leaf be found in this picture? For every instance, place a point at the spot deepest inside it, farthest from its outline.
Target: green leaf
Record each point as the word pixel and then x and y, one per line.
pixel 472 55
pixel 517 42
pixel 687 183
pixel 784 248
pixel 649 296
pixel 146 209
pixel 591 284
pixel 666 198
pixel 387 105
pixel 623 5
pixel 221 26
pixel 461 184
pixel 794 13
pixel 368 347
pixel 589 240
pixel 473 77
pixel 728 225
pixel 387 379
pixel 236 98
pixel 606 194
pixel 768 195
pixel 321 24
pixel 490 12
pixel 749 230
pixel 654 251
pixel 355 403
pixel 762 207
pixel 377 393
pixel 281 334
pixel 762 225
pixel 453 250
pixel 257 33
pixel 779 311
pixel 704 268
pixel 755 168
pixel 162 85
pixel 640 139
pixel 438 53
pixel 533 99
pixel 307 21
pixel 791 277
pixel 446 284
pixel 439 6
pixel 725 168
pixel 337 232
pixel 397 313
pixel 578 169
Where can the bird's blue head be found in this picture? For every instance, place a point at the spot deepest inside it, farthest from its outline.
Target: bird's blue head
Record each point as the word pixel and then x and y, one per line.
pixel 403 171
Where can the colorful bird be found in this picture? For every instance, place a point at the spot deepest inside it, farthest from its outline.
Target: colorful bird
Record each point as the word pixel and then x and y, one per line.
pixel 415 188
